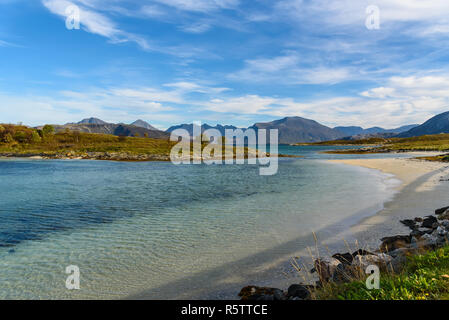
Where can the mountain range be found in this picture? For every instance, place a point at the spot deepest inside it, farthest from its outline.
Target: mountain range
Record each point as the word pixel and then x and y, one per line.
pixel 291 129
pixel 355 131
pixel 435 125
pixel 297 129
pixel 94 125
pixel 189 127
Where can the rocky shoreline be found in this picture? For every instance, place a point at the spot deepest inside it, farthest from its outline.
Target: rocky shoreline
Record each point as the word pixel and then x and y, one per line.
pixel 427 233
pixel 112 156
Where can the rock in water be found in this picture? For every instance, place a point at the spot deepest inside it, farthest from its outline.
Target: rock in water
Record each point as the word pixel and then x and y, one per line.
pixel 409 223
pixel 441 210
pixel 429 222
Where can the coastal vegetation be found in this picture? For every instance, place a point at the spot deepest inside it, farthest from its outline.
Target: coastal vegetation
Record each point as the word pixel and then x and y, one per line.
pixel 436 142
pixel 425 277
pixel 23 141
pixel 412 266
pixel 18 140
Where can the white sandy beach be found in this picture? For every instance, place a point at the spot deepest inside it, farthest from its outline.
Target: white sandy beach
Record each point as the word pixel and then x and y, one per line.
pixel 424 188
pixel 406 170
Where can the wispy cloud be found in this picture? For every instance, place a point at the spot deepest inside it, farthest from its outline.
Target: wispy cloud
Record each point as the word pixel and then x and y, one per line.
pixel 95 22
pixel 330 13
pixel 402 100
pixel 8 44
pixel 200 5
pixel 289 69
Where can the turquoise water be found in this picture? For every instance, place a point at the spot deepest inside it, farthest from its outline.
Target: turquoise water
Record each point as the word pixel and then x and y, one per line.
pixel 139 229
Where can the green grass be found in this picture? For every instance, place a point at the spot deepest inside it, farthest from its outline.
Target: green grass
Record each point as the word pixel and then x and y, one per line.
pixel 24 141
pixel 80 143
pixel 364 142
pixel 425 277
pixel 437 142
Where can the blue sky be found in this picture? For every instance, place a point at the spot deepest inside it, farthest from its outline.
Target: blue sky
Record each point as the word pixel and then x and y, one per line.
pixel 224 61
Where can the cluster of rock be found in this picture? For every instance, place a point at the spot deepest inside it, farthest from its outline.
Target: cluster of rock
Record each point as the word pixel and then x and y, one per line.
pixel 294 292
pixel 427 233
pixel 112 156
pixel 123 156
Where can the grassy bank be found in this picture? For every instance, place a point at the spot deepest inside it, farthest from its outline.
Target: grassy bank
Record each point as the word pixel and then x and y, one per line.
pixel 437 142
pixel 425 277
pixel 22 141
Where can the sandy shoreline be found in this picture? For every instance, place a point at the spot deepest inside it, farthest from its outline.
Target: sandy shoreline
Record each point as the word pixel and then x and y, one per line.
pixel 419 194
pixel 424 187
pixel 404 169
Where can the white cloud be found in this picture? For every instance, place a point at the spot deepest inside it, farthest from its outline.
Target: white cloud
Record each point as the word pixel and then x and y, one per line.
pixel 200 5
pixel 196 28
pixel 403 100
pixel 185 87
pixel 323 13
pixel 94 22
pixel 380 92
pixel 249 104
pixel 288 69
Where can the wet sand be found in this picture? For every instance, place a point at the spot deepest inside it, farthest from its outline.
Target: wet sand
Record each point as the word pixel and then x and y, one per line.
pixel 424 188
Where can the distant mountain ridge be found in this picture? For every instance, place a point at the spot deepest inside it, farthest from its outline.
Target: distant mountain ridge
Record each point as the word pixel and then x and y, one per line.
pixel 290 129
pixel 94 125
pixel 299 130
pixel 435 125
pixel 143 124
pixel 359 131
pixel 92 121
pixel 189 127
pixel 302 130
